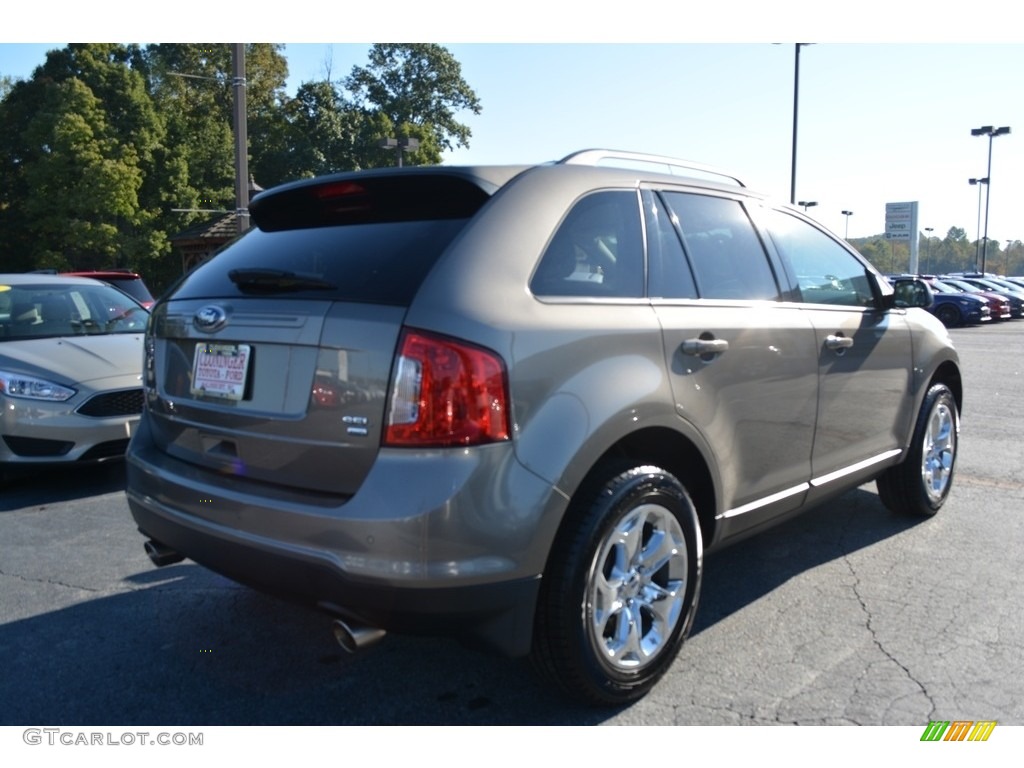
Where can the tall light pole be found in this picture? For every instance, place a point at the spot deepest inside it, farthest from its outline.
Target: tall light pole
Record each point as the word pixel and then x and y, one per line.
pixel 927 239
pixel 977 243
pixel 796 112
pixel 988 130
pixel 807 204
pixel 847 214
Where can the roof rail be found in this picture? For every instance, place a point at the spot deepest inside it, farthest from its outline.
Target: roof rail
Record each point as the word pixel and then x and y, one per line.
pixel 633 159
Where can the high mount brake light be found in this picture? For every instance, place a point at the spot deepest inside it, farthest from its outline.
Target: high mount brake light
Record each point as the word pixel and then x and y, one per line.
pixel 339 189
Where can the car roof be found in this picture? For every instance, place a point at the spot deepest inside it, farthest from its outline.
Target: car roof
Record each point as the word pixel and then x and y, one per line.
pixel 34 278
pixel 617 164
pixel 105 274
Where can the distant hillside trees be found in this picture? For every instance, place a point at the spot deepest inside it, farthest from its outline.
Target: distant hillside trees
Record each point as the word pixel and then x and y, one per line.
pixel 938 255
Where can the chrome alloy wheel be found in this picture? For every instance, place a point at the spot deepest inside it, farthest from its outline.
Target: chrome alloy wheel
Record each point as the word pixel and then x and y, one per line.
pixel 938 451
pixel 637 588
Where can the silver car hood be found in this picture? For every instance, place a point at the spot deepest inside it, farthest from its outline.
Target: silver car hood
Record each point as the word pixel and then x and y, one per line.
pixel 78 359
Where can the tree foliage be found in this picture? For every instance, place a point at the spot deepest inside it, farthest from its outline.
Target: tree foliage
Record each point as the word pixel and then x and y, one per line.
pixel 108 150
pixel 416 84
pixel 935 255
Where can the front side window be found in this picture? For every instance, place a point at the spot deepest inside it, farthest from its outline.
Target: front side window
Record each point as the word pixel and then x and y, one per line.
pixel 826 273
pixel 596 251
pixel 728 259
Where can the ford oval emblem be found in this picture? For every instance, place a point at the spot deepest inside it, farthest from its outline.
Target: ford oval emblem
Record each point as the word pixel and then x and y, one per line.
pixel 210 318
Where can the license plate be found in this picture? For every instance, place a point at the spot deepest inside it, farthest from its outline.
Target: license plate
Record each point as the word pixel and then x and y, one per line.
pixel 219 370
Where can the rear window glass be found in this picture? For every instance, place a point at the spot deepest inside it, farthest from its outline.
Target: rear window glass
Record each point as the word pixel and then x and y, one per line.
pixel 376 263
pixel 725 252
pixel 132 286
pixel 349 237
pixel 596 251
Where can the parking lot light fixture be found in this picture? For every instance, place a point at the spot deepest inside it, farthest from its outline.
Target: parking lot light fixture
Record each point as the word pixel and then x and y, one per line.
pixel 400 145
pixel 807 204
pixel 847 214
pixel 988 130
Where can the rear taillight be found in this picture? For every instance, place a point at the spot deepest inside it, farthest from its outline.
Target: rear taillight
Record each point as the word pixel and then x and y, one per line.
pixel 445 393
pixel 149 365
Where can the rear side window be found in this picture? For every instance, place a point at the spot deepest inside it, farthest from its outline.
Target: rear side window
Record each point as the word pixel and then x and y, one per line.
pixel 597 250
pixel 348 238
pixel 728 259
pixel 826 273
pixel 670 274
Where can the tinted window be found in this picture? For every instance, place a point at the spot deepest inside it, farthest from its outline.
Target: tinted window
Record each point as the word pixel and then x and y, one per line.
pixel 825 271
pixel 50 310
pixel 596 251
pixel 132 286
pixel 670 277
pixel 378 263
pixel 728 259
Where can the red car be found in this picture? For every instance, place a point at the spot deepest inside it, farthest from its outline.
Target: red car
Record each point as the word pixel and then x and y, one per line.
pixel 128 281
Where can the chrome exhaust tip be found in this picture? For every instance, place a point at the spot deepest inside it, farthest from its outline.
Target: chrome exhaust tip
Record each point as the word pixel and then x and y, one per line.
pixel 161 554
pixel 355 637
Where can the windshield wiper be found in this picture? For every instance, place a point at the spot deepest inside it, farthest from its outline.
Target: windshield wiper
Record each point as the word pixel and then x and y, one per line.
pixel 272 280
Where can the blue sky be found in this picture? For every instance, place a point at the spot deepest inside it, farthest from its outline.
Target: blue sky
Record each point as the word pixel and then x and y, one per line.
pixel 888 120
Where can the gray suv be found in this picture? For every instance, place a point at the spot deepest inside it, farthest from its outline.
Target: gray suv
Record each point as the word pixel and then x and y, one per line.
pixel 518 404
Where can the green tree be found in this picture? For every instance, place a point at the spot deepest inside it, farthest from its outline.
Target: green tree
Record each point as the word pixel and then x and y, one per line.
pixel 108 150
pixel 416 85
pixel 193 86
pixel 80 148
pixel 317 136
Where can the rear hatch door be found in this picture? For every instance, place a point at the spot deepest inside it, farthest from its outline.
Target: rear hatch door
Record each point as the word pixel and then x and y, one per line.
pixel 272 361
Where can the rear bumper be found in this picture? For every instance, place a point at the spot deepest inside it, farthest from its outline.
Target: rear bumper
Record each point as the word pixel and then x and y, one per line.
pixel 446 567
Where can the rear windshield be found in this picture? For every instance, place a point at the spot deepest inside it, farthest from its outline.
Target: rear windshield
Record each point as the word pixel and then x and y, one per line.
pixel 375 263
pixel 350 237
pixel 133 286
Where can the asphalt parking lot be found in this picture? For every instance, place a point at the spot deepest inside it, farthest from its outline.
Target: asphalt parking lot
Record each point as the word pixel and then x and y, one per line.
pixel 846 615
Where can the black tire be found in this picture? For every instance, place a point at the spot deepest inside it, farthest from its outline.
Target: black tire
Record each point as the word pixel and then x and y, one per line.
pixel 949 315
pixel 921 483
pixel 621 587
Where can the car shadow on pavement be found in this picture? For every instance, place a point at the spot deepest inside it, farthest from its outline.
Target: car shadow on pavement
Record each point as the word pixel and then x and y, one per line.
pixel 739 575
pixel 183 646
pixel 51 484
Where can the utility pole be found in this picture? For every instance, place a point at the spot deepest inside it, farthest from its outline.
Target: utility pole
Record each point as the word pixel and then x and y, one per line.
pixel 241 138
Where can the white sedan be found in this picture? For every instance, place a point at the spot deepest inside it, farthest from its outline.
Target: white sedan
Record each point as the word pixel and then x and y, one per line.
pixel 70 370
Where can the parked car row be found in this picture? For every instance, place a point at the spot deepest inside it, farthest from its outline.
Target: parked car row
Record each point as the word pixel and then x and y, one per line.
pixel 964 299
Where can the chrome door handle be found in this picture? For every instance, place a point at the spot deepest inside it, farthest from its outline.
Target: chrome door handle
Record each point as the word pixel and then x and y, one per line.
pixel 838 342
pixel 704 347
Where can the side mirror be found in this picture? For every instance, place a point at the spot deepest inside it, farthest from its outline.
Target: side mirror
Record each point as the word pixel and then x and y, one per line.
pixel 910 292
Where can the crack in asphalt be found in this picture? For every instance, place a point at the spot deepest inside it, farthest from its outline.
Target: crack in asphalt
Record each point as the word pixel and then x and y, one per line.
pixel 52 582
pixel 877 641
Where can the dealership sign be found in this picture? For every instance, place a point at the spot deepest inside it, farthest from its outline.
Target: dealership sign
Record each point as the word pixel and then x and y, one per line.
pixel 900 221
